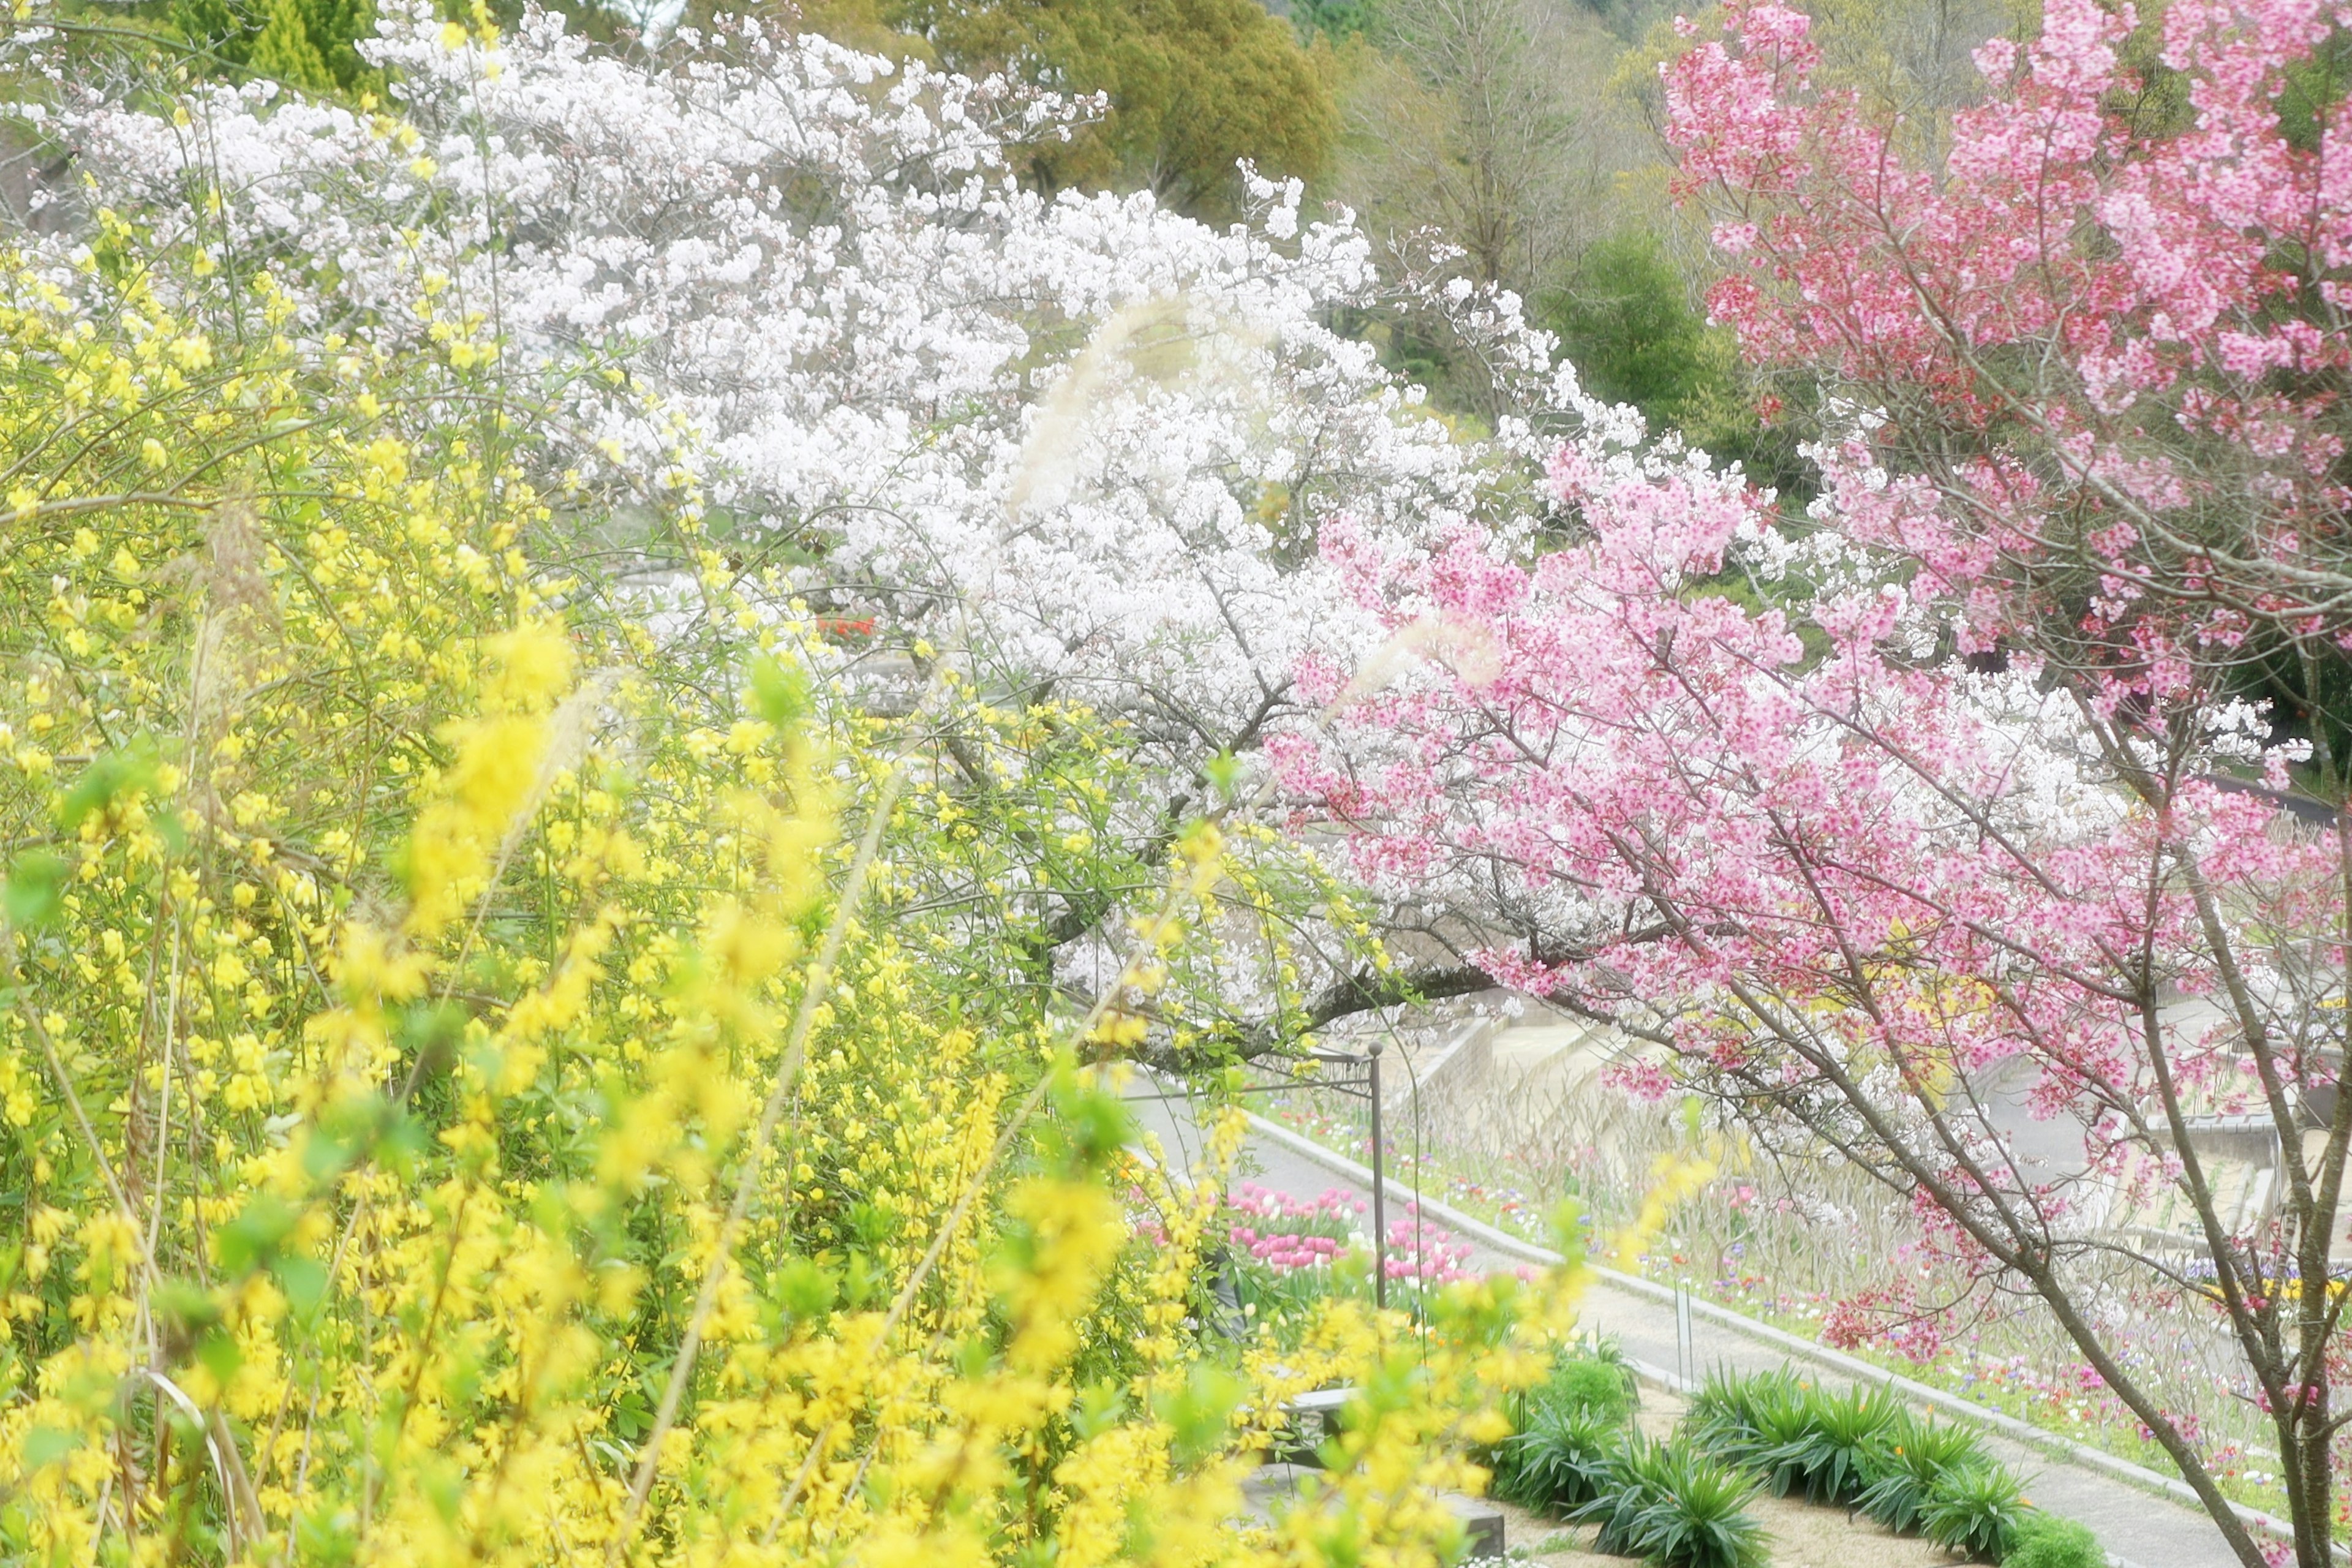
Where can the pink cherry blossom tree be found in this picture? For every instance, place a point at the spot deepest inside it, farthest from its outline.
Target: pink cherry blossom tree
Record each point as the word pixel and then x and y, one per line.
pixel 1933 828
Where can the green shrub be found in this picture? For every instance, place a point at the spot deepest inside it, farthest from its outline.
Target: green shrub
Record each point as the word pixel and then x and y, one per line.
pixel 1974 1510
pixel 1626 319
pixel 1589 1383
pixel 1676 1508
pixel 1904 1463
pixel 1565 1458
pixel 2040 1540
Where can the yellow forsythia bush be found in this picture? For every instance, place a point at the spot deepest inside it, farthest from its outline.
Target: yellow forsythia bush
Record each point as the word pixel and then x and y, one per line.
pixel 449 1111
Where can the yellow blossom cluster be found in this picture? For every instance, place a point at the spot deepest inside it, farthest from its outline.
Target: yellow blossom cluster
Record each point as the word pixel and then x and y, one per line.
pixel 479 1082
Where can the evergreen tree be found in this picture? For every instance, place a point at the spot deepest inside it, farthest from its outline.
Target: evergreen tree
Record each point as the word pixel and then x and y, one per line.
pixel 310 45
pixel 1626 319
pixel 222 29
pixel 285 50
pixel 1194 86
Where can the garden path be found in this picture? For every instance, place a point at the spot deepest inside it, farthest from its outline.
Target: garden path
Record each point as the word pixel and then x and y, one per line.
pixel 2139 1529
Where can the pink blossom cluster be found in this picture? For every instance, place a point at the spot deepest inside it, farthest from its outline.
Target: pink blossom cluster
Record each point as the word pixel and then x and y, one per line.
pixel 1424 1252
pixel 2073 290
pixel 1288 1252
pixel 1953 781
pixel 1889 1316
pixel 1290 1234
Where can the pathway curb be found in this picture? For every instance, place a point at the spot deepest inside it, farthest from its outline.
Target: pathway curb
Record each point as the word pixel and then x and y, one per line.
pixel 1968 1410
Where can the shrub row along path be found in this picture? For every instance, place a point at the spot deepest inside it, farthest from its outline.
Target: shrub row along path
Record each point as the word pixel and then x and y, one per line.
pixel 2139 1528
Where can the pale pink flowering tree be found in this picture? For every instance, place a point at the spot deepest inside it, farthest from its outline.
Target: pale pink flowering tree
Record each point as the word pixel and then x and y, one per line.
pixel 1081 443
pixel 1955 855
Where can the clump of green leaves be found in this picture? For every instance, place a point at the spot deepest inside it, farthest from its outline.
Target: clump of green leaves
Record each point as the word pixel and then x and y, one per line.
pixel 1571 1430
pixel 1565 1458
pixel 1675 1507
pixel 1829 1461
pixel 1593 1377
pixel 1859 1447
pixel 1589 1383
pixel 1974 1510
pixel 1760 1423
pixel 1907 1460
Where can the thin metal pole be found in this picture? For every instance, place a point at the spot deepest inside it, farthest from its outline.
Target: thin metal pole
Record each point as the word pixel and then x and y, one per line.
pixel 1379 1195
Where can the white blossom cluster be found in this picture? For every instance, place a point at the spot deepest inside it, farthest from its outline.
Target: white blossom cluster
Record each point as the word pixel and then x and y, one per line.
pixel 1089 439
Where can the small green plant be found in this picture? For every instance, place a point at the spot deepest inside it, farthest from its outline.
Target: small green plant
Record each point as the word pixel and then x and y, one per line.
pixel 1588 1383
pixel 1566 1456
pixel 1728 1411
pixel 1908 1457
pixel 1828 1457
pixel 1973 1510
pixel 1674 1507
pixel 1724 1404
pixel 1760 1423
pixel 2040 1540
pixel 1592 1375
pixel 1618 1506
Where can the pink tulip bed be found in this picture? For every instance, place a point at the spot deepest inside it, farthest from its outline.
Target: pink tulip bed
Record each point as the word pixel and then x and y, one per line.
pixel 1288 1252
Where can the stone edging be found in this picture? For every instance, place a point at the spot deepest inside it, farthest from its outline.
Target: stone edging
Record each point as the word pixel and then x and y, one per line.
pixel 1968 1410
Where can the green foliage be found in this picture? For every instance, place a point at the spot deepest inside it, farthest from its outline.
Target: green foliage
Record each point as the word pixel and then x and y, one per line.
pixel 2040 1540
pixel 1909 1457
pixel 1194 86
pixel 1828 1462
pixel 218 27
pixel 284 49
pixel 1858 1446
pixel 1336 20
pixel 1822 1445
pixel 1567 1457
pixel 1724 1404
pixel 310 45
pixel 1571 1430
pixel 1588 1383
pixel 1746 1421
pixel 1974 1510
pixel 1627 319
pixel 1676 1508
pixel 35 890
